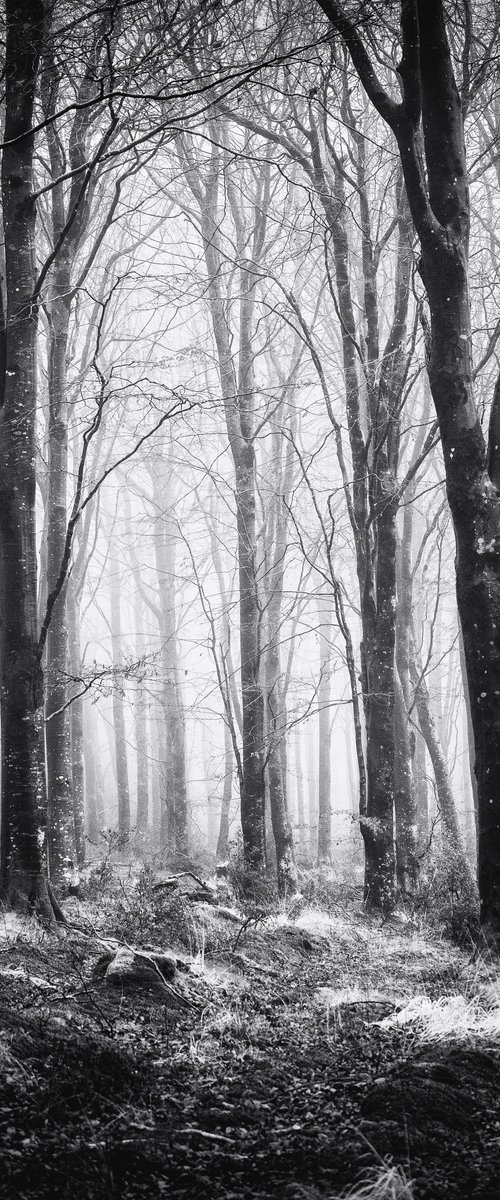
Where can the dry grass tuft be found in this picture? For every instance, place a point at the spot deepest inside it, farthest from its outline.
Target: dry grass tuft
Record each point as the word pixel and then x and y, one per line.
pixel 386 1183
pixel 448 1017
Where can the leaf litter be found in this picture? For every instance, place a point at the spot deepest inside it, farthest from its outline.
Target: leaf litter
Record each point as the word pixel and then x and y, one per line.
pixel 326 1056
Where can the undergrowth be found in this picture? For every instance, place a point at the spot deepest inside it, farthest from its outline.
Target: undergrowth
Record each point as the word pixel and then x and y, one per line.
pixel 447 899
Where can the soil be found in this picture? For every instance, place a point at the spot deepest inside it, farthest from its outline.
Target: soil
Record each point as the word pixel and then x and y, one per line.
pixel 265 1068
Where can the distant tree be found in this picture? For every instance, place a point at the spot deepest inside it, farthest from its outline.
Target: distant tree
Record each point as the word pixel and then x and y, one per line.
pixel 237 379
pixel 164 605
pixel 120 739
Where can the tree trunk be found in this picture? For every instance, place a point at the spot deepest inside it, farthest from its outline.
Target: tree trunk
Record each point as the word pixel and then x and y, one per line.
pixel 299 785
pixel 175 822
pixel 76 716
pixel 324 854
pixel 141 729
pixel 157 772
pixel 404 801
pixel 238 390
pixel 95 816
pixel 122 782
pixel 227 791
pixel 61 827
pixel 469 732
pixel 437 188
pixel 452 840
pixel 276 729
pixel 23 801
pixel 404 737
pixel 421 792
pixel 379 636
pixel 252 701
pixel 312 790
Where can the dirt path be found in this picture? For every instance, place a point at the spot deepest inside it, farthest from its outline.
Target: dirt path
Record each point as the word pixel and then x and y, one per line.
pixel 268 1072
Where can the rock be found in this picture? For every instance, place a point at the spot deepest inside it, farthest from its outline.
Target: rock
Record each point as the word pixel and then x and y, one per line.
pixel 131 967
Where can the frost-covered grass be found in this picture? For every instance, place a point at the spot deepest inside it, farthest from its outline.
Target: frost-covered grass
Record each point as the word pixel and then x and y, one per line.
pixel 448 1017
pixel 386 1183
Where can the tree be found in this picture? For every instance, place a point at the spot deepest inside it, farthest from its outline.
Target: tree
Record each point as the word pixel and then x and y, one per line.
pixel 237 378
pixel 122 777
pixel 375 355
pixel 428 126
pixel 22 868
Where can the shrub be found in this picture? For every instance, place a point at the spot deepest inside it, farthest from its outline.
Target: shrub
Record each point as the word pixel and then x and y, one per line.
pixel 149 913
pixel 448 898
pixel 255 891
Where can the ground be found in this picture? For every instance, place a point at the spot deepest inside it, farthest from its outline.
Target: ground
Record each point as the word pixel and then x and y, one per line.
pixel 292 1056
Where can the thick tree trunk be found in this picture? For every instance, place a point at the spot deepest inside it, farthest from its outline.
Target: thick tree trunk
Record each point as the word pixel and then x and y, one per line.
pixel 437 189
pixel 252 700
pixel 379 637
pixel 475 507
pixel 23 800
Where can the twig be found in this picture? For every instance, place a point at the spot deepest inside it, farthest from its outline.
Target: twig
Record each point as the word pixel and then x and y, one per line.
pixel 204 1133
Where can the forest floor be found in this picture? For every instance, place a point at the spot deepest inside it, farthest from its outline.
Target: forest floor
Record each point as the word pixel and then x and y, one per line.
pixel 279 1057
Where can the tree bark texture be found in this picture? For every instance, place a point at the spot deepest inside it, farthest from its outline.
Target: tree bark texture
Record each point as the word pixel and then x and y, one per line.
pixel 23 801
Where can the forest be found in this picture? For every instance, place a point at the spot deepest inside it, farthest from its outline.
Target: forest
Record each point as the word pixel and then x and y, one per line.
pixel 250 599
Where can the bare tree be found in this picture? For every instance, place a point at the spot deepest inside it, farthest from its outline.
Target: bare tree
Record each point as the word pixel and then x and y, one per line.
pixel 428 127
pixel 22 870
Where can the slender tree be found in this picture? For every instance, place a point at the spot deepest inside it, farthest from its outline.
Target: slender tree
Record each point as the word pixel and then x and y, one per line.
pixel 120 742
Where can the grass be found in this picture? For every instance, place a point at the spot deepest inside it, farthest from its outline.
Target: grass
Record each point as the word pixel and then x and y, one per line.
pixel 384 1183
pixel 449 1017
